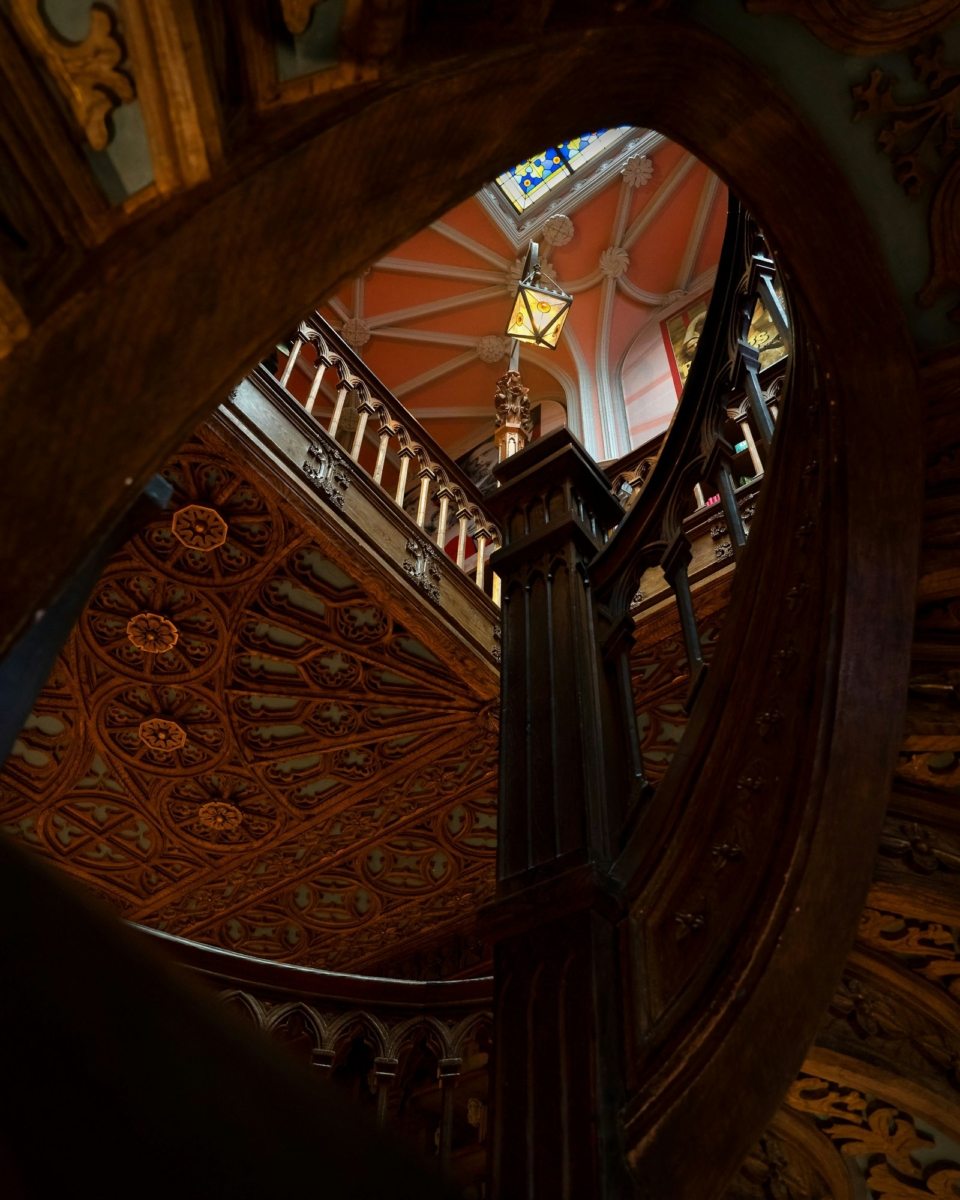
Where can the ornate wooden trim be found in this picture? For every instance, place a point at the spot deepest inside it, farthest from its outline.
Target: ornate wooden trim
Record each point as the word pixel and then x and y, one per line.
pixel 865 1076
pixel 87 73
pixel 175 91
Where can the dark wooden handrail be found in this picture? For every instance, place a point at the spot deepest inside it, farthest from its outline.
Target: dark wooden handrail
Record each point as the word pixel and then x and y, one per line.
pixel 284 980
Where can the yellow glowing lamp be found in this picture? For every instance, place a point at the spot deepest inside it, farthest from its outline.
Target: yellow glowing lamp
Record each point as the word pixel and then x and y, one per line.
pixel 540 308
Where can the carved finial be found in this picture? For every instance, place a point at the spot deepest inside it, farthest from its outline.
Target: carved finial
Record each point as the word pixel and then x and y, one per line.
pixel 514 425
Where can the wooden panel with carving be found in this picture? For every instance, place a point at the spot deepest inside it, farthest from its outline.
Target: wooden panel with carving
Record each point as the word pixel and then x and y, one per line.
pixel 242 745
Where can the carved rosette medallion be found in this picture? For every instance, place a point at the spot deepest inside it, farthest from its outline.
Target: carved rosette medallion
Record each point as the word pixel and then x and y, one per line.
pixel 162 735
pixel 226 810
pixel 221 527
pixel 219 816
pixel 161 729
pixel 143 625
pixel 424 567
pixel 199 528
pixel 327 471
pixel 152 633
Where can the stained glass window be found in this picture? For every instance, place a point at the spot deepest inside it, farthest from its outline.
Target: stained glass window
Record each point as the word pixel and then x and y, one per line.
pixel 529 181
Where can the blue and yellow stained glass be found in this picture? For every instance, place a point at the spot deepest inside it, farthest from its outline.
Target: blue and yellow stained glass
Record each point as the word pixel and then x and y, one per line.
pixel 529 181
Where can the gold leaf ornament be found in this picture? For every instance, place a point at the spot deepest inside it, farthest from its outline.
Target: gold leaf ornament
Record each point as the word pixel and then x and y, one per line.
pixel 85 72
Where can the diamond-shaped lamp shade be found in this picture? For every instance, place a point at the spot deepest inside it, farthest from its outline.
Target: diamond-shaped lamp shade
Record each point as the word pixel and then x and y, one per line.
pixel 540 309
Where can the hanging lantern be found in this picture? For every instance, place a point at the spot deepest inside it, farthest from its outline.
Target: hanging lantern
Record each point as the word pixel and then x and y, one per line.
pixel 540 308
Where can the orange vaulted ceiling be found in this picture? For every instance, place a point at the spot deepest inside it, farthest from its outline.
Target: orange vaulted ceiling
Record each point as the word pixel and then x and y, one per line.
pixel 429 318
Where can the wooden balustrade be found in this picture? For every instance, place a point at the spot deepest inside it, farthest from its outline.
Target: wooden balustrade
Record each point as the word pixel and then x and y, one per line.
pixel 597 901
pixel 391 446
pixel 414 1053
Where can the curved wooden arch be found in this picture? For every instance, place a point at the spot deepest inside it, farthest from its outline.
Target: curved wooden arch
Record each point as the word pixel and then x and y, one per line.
pixel 180 307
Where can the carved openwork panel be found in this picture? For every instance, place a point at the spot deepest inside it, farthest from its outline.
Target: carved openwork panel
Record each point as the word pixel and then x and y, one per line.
pixel 242 745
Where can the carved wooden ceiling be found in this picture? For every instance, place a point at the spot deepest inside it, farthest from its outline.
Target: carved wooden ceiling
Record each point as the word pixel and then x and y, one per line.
pixel 243 746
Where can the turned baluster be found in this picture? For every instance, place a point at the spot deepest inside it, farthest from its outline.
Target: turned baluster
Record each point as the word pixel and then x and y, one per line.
pixel 443 497
pixel 482 536
pixel 675 561
pixel 750 361
pixel 464 518
pixel 338 411
pixel 289 364
pixel 386 432
pixel 405 455
pixel 427 476
pixel 364 412
pixel 315 386
pixel 718 472
pixel 752 448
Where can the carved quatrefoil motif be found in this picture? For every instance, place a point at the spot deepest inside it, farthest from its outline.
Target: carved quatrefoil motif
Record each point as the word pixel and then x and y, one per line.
pixel 152 633
pixel 199 528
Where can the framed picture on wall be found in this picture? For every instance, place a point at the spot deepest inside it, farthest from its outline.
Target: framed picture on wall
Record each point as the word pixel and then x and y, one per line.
pixel 681 335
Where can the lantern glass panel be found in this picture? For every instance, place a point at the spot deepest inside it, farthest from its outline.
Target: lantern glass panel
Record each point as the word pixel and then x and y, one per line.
pixel 538 316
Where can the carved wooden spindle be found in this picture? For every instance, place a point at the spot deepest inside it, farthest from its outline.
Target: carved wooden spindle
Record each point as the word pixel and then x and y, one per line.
pixel 364 413
pixel 386 432
pixel 748 360
pixel 338 411
pixel 718 471
pixel 448 1070
pixel 289 364
pixel 766 270
pixel 556 1082
pixel 675 561
pixel 482 537
pixel 514 424
pixel 315 386
pixel 386 1072
pixel 752 448
pixel 405 454
pixel 444 496
pixel 464 518
pixel 427 476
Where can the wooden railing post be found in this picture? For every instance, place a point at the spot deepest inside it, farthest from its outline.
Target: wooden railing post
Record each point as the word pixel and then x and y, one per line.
pixel 556 1084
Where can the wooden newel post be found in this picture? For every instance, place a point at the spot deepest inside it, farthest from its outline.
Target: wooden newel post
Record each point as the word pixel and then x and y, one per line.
pixel 558 1047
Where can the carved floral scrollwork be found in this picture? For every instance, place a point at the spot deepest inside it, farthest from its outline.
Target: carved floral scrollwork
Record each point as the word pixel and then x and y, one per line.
pixel 327 471
pixel 86 72
pixel 878 1131
pixel 928 948
pixel 423 567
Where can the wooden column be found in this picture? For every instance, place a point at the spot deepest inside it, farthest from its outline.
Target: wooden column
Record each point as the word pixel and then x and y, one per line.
pixel 556 1082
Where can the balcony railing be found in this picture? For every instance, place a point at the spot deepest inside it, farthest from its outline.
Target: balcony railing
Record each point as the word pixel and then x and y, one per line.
pixel 382 437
